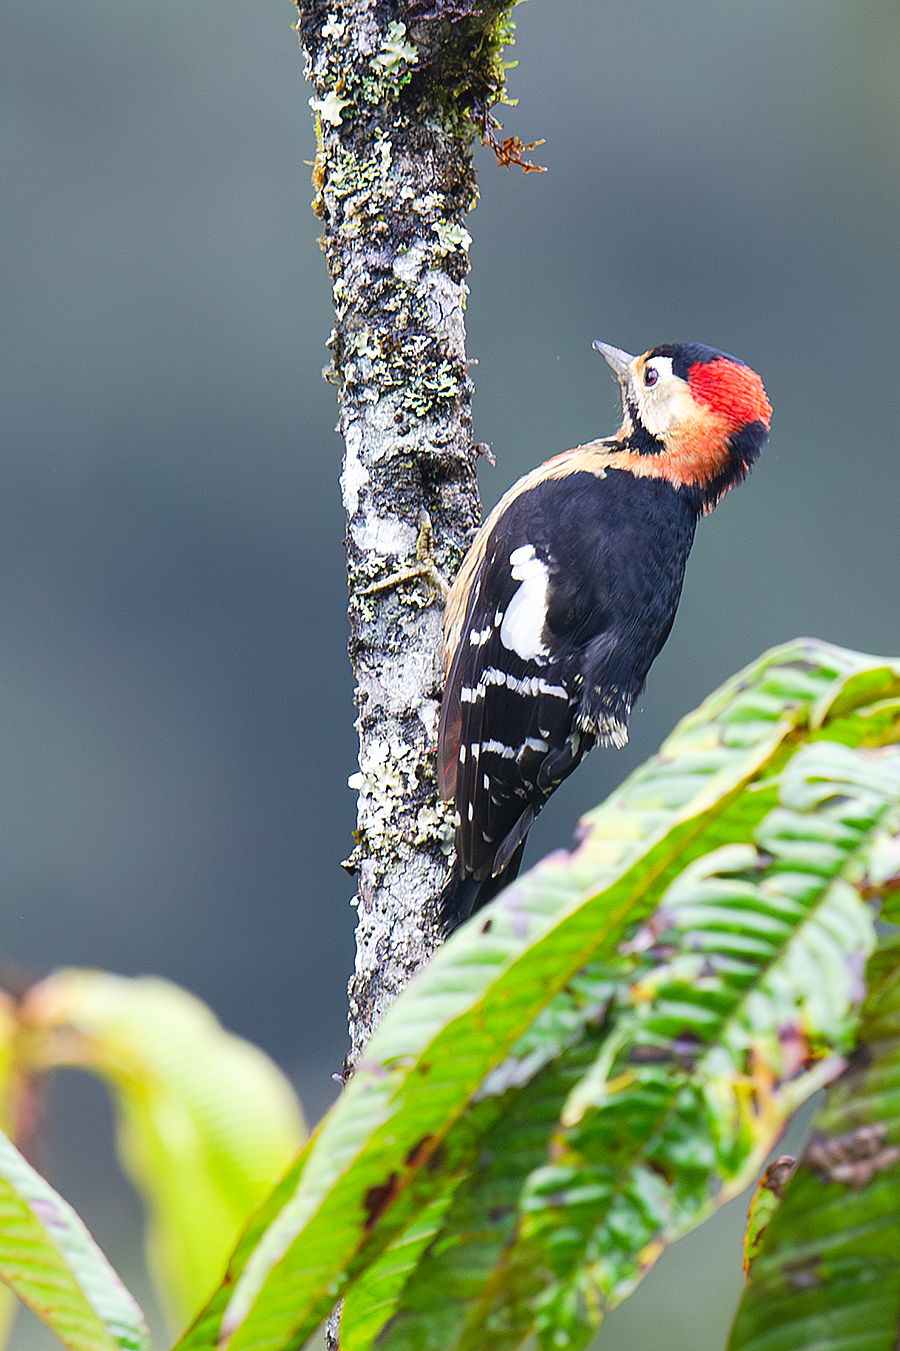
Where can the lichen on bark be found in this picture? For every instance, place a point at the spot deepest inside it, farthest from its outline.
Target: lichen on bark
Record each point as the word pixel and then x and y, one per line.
pixel 400 92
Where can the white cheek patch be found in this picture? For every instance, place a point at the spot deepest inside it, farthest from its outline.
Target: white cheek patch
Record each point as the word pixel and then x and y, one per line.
pixel 668 402
pixel 523 623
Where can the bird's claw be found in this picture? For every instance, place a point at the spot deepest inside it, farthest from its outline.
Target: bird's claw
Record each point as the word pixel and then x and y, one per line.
pixel 424 569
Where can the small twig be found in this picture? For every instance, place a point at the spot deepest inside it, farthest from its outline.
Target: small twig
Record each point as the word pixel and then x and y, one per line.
pixel 510 150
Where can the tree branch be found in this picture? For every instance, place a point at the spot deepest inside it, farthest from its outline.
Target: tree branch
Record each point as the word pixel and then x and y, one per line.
pixel 400 93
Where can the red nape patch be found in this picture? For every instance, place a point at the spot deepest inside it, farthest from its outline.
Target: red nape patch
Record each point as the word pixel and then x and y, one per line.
pixel 732 390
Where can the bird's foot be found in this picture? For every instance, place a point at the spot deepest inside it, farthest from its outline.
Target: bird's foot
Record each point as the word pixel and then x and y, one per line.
pixel 424 569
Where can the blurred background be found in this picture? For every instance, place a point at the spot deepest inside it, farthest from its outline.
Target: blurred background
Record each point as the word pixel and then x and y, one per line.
pixel 175 699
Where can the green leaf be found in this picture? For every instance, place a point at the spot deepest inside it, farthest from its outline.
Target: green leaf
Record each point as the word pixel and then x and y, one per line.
pixel 50 1260
pixel 205 1122
pixel 827 1277
pixel 467 1246
pixel 377 1160
pixel 372 1301
pixel 749 968
pixel 766 1200
pixel 9 1307
pixel 9 1027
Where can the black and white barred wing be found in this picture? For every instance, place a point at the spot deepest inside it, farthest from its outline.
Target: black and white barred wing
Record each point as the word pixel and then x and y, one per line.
pixel 507 721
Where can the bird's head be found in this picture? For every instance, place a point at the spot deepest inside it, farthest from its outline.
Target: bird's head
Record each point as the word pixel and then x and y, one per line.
pixel 692 415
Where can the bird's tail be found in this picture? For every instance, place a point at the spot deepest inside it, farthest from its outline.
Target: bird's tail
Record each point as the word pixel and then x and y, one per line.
pixel 462 895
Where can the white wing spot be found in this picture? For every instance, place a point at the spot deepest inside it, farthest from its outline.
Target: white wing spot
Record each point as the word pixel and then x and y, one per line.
pixel 487 782
pixel 530 686
pixel 462 754
pixel 522 628
pixel 478 637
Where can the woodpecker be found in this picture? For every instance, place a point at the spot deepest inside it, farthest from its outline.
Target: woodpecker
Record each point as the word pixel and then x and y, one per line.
pixel 568 593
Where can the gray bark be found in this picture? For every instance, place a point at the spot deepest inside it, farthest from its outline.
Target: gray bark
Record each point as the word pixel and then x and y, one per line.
pixel 400 91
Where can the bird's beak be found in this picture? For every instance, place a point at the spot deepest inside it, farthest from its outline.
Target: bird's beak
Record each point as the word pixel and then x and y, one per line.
pixel 619 360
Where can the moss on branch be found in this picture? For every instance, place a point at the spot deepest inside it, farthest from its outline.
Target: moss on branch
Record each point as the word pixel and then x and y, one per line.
pixel 433 60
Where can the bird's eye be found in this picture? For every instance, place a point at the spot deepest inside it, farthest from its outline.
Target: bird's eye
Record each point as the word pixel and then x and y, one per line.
pixel 651 375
